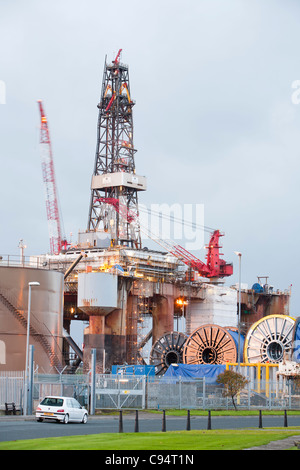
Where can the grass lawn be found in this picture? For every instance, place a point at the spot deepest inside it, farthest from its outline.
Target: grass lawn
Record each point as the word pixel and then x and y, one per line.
pixel 173 440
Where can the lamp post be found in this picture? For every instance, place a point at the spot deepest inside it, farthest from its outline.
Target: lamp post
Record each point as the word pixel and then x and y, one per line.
pixel 239 316
pixel 30 285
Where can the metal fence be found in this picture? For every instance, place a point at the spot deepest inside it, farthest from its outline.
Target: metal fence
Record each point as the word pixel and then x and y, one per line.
pixel 141 392
pixel 11 388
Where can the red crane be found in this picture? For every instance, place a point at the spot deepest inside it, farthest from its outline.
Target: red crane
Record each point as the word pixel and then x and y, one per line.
pixel 117 59
pixel 54 224
pixel 215 267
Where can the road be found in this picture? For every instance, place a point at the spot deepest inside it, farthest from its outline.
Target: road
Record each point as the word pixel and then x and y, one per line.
pixel 12 428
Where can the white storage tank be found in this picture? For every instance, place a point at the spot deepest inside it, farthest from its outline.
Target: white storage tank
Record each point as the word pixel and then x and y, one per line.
pixel 97 292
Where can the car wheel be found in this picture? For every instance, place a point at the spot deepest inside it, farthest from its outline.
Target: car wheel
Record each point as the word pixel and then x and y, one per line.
pixel 84 418
pixel 66 419
pixel 40 420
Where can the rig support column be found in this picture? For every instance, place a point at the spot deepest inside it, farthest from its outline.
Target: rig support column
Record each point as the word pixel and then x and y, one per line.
pixel 163 316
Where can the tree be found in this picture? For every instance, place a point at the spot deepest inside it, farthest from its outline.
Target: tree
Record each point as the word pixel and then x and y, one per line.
pixel 233 383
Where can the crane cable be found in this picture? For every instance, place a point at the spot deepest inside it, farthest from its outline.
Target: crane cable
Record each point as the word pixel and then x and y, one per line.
pixel 176 219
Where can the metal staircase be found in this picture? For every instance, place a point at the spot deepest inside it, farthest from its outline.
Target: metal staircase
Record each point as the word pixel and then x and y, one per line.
pixel 41 338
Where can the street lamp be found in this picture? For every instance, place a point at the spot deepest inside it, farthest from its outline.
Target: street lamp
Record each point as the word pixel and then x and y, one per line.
pixel 30 285
pixel 239 316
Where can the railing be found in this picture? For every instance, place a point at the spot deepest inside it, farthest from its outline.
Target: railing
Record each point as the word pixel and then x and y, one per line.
pixel 24 261
pixel 158 270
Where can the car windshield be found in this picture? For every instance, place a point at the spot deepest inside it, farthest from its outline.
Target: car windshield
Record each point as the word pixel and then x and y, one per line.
pixel 50 401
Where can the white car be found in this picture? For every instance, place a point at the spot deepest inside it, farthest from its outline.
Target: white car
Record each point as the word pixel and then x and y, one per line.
pixel 62 409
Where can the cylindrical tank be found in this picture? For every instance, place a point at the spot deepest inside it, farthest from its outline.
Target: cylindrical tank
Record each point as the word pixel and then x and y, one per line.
pixel 97 292
pixel 104 297
pixel 46 318
pixel 269 339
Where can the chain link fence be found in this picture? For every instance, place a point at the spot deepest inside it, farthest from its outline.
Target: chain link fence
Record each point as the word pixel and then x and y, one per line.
pixel 148 392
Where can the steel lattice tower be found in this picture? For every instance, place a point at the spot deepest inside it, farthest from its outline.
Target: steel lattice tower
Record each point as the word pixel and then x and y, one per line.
pixel 115 185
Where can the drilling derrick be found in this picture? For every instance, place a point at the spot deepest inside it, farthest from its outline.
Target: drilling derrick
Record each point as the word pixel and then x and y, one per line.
pixel 114 177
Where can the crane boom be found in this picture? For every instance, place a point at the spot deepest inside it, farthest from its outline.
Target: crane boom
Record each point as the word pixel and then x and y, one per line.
pixel 52 209
pixel 215 267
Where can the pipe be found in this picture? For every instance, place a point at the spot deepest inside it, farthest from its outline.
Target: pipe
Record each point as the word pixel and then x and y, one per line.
pixel 73 345
pixel 70 269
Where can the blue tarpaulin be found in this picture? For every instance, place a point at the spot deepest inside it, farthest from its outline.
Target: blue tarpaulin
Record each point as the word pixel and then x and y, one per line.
pixel 116 268
pixel 188 371
pixel 296 340
pixel 235 336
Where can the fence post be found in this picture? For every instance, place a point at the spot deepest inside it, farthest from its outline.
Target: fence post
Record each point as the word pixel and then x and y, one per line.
pixel 30 384
pixel 269 394
pixel 145 384
pixel 6 389
pixel 93 382
pixel 180 392
pixel 249 401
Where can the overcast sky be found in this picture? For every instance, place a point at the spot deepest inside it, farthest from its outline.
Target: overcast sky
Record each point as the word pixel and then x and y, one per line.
pixel 215 122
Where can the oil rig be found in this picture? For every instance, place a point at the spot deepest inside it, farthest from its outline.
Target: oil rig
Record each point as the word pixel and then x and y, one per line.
pixel 142 306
